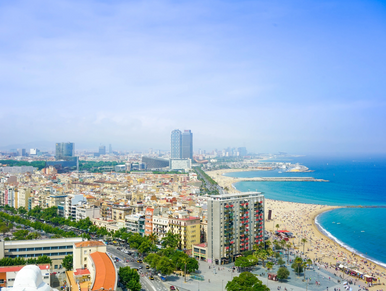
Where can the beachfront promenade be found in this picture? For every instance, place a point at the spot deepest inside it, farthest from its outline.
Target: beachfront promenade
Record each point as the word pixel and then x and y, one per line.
pixel 299 218
pixel 216 278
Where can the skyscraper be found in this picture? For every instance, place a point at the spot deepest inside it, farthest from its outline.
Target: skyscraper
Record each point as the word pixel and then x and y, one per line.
pixel 235 224
pixel 102 150
pixel 64 150
pixel 187 145
pixel 175 151
pixel 110 149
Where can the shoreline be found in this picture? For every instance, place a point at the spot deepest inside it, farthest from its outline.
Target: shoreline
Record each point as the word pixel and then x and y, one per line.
pixel 300 218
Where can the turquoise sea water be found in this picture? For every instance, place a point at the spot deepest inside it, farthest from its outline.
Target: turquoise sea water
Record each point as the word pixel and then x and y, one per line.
pixel 353 181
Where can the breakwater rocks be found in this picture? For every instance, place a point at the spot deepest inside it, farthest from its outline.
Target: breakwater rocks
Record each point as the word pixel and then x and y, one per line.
pixel 279 179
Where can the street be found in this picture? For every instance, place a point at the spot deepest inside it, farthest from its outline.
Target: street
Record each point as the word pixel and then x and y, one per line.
pixel 147 284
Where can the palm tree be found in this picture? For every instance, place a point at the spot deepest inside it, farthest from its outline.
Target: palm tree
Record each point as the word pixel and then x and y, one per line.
pixel 261 255
pixel 304 240
pixel 184 261
pixel 277 226
pixel 269 265
pixel 153 237
pixel 288 248
pixel 298 261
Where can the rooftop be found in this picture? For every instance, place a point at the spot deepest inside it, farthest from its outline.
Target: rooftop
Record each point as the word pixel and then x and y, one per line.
pixel 105 275
pixel 92 243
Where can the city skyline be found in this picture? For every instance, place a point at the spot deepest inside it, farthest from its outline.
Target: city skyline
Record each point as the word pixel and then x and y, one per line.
pixel 266 75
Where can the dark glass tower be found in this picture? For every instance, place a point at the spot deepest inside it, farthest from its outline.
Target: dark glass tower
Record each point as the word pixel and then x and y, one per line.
pixel 187 145
pixel 64 150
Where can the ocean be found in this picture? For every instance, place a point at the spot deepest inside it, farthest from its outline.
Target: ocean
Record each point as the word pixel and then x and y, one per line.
pixel 359 180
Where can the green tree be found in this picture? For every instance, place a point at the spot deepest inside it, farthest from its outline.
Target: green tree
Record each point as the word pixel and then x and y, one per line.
pixel 246 281
pixel 261 255
pixel 153 238
pixel 170 240
pixel 283 273
pixel 277 226
pixel 67 262
pixel 297 265
pixel 242 262
pixel 152 260
pixel 165 266
pixel 130 278
pixel 22 210
pixel 304 240
pixel 146 246
pixel 135 240
pixel 281 262
pixel 269 265
pixel 134 286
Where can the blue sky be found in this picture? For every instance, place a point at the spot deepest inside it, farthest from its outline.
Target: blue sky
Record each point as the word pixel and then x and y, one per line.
pixel 295 76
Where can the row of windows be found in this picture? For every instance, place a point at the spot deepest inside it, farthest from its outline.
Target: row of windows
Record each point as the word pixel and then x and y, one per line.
pixel 39 255
pixel 40 249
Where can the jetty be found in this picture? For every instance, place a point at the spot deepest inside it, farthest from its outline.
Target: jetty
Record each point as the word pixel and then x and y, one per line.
pixel 279 179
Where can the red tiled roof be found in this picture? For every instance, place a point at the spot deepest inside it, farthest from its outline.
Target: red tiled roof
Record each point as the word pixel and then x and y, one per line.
pixel 104 271
pixel 92 243
pixel 203 245
pixel 80 272
pixel 18 268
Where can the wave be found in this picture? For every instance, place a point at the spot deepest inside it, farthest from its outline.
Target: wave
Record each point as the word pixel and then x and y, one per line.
pixel 333 238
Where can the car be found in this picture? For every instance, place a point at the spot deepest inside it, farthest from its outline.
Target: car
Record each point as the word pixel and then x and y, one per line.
pixel 172 288
pixel 139 261
pixel 140 267
pixel 151 278
pixel 148 267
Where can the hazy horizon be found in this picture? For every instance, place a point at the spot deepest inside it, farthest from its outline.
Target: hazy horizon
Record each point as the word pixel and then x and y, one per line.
pixel 294 76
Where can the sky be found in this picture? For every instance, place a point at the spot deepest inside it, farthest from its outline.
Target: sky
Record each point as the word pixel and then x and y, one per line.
pixel 295 76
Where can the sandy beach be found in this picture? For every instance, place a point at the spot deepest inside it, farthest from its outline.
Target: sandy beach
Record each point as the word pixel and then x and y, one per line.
pixel 299 218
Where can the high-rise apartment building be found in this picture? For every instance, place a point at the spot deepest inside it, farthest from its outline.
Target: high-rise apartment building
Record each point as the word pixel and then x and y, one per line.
pixel 235 224
pixel 64 150
pixel 176 149
pixel 21 152
pixel 187 145
pixel 102 150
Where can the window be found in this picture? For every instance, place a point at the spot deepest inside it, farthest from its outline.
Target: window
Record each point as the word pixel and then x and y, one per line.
pixel 46 248
pixel 1 281
pixel 85 259
pixel 46 277
pixel 11 280
pixel 56 266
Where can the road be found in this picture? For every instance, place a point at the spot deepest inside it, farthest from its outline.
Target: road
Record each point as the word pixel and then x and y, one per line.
pixel 208 185
pixel 147 284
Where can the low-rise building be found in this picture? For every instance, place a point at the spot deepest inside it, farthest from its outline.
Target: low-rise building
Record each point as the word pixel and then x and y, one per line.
pixel 135 223
pixel 188 229
pixel 56 249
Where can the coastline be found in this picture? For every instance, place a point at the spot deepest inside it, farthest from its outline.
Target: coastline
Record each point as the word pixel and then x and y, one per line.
pixel 300 219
